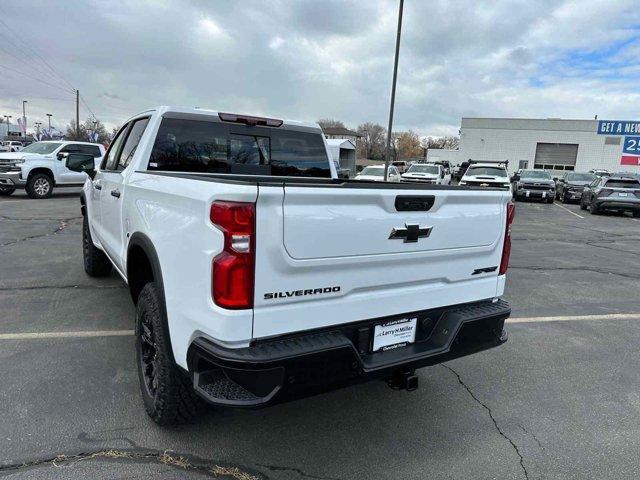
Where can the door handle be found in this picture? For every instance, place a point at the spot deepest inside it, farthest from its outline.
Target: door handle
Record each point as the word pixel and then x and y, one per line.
pixel 97 186
pixel 115 193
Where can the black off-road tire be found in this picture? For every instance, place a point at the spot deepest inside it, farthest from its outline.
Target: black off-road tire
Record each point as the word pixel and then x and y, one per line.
pixel 167 391
pixel 96 263
pixel 39 186
pixel 593 210
pixel 565 200
pixel 636 213
pixel 550 200
pixel 6 191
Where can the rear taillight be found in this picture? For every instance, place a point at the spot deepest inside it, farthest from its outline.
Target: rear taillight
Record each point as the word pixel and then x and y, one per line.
pixel 605 192
pixel 506 248
pixel 233 269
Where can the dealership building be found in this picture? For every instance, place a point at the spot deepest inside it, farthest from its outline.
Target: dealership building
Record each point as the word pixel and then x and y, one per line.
pixel 552 144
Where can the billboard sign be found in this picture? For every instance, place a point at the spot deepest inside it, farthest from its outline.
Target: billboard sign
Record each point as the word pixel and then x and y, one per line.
pixel 629 160
pixel 618 127
pixel 631 145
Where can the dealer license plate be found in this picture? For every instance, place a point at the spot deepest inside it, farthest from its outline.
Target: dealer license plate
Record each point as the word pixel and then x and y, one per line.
pixel 622 194
pixel 394 334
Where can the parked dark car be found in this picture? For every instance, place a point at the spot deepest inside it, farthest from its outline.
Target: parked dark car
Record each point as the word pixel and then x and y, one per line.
pixel 534 184
pixel 569 187
pixel 612 193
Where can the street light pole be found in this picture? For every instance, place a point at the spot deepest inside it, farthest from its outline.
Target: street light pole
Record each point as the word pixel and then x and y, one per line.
pixel 8 117
pixel 387 158
pixel 24 116
pixel 49 115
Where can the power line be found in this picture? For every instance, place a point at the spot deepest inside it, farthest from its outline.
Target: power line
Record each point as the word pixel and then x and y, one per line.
pixel 88 107
pixel 35 78
pixel 27 64
pixel 37 55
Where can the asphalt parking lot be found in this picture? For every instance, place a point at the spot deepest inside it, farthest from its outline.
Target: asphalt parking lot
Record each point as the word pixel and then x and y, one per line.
pixel 561 399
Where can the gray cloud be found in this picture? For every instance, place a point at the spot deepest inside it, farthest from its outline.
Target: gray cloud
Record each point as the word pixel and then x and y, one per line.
pixel 310 59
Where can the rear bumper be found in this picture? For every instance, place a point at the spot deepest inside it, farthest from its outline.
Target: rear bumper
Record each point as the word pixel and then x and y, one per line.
pixel 631 204
pixel 273 371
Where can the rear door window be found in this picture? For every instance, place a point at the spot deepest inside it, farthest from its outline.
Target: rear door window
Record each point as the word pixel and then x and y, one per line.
pixel 92 150
pixel 131 144
pixel 217 147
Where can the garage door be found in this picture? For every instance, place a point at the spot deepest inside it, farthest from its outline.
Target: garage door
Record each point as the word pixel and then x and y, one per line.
pixel 556 156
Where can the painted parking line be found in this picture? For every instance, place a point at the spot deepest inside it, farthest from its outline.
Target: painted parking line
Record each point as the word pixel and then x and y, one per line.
pixel 128 333
pixel 565 208
pixel 80 334
pixel 576 318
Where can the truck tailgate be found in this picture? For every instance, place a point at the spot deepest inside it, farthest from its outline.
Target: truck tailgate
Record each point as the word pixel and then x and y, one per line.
pixel 327 255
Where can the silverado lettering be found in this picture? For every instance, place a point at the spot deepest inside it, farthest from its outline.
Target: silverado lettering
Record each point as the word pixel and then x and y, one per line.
pixel 300 293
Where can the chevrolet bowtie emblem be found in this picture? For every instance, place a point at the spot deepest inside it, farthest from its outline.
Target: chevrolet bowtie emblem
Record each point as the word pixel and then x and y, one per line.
pixel 411 233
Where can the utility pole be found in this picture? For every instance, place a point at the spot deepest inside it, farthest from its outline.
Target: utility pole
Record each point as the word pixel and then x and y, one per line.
pixel 78 114
pixel 49 115
pixel 387 158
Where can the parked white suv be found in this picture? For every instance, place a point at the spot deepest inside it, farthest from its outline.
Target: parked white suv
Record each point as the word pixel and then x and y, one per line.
pixel 11 146
pixel 425 173
pixel 375 173
pixel 259 276
pixel 40 167
pixel 486 174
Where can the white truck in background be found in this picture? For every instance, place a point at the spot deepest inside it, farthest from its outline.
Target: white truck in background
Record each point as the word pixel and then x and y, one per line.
pixel 40 167
pixel 259 277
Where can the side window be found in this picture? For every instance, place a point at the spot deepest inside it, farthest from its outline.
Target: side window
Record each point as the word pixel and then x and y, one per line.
pixel 131 144
pixel 71 148
pixel 92 150
pixel 110 160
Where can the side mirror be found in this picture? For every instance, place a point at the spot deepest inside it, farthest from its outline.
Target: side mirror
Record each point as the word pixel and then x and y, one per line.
pixel 80 162
pixel 62 155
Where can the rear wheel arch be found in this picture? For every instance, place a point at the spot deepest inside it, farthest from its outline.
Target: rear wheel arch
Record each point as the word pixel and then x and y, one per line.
pixel 143 266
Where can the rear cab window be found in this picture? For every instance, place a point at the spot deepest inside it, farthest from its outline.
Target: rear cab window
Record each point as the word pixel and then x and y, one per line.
pixel 208 146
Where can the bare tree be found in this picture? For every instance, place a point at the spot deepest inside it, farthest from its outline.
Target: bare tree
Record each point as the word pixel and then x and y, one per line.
pixel 408 145
pixel 87 128
pixel 372 143
pixel 331 123
pixel 447 143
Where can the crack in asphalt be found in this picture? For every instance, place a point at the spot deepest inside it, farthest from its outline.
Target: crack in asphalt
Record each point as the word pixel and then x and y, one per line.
pixel 574 269
pixel 166 457
pixel 592 243
pixel 63 224
pixel 60 287
pixel 532 435
pixel 278 468
pixel 490 412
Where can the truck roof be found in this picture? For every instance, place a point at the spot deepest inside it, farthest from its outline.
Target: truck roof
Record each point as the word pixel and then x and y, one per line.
pixel 162 109
pixel 69 141
pixel 494 165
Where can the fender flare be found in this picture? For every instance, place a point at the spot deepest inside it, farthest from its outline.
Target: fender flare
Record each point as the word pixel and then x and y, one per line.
pixel 83 204
pixel 143 242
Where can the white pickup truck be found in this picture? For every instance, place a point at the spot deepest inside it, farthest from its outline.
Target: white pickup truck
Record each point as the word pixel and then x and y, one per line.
pixel 258 276
pixel 40 167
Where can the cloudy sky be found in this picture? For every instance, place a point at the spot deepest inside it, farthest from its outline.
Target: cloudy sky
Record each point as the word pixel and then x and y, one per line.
pixel 317 59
